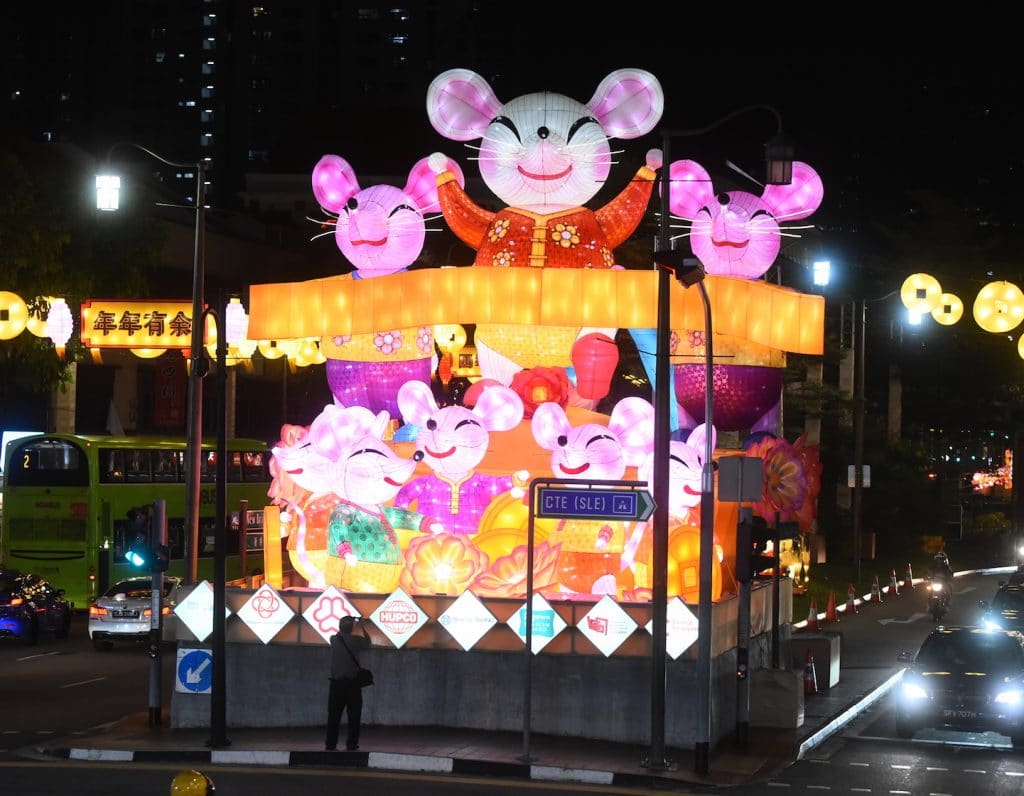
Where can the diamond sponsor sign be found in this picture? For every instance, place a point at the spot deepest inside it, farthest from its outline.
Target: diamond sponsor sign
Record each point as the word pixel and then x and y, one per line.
pixel 324 613
pixel 467 620
pixel 265 613
pixel 196 610
pixel 681 627
pixel 398 617
pixel 546 623
pixel 607 625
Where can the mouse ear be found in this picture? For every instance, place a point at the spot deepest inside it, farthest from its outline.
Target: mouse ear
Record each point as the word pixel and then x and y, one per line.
pixel 422 184
pixel 690 188
pixel 460 104
pixel 334 182
pixel 628 103
pixel 800 198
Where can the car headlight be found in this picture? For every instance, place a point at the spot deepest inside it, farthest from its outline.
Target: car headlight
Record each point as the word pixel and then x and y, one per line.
pixel 913 692
pixel 1020 550
pixel 992 624
pixel 1011 696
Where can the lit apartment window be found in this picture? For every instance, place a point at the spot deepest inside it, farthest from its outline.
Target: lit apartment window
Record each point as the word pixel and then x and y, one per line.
pixel 258 11
pixel 208 68
pixel 209 20
pixel 209 43
pixel 159 57
pixel 206 139
pixel 206 116
pixel 64 96
pixel 190 103
pixel 206 93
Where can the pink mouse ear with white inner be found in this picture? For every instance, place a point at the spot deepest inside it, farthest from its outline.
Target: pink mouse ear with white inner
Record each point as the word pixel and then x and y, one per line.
pixel 801 197
pixel 334 182
pixel 690 188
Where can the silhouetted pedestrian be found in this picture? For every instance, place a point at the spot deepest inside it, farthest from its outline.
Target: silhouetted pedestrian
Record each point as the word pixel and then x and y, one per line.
pixel 345 691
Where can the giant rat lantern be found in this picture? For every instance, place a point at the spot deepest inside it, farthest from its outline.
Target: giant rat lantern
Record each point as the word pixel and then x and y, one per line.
pixel 735 233
pixel 380 230
pixel 544 155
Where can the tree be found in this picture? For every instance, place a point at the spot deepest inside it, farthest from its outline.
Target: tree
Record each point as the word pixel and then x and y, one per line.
pixel 53 244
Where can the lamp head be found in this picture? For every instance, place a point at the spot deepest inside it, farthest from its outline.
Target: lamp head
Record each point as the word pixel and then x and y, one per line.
pixel 778 155
pixel 108 191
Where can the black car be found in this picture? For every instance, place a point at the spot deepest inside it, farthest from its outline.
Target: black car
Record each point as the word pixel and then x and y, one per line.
pixel 966 678
pixel 31 606
pixel 1006 611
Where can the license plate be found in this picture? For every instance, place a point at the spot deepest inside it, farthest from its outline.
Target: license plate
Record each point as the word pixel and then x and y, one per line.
pixel 960 714
pixel 125 614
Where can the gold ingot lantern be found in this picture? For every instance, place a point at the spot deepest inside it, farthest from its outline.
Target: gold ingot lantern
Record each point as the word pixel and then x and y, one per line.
pixel 13 315
pixel 920 293
pixel 999 307
pixel 949 310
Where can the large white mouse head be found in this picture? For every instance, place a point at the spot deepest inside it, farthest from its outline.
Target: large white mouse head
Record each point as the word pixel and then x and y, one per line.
pixel 453 440
pixel 544 151
pixel 379 229
pixel 592 451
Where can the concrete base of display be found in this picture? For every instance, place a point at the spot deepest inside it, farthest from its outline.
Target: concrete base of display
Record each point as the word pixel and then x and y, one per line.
pixel 588 696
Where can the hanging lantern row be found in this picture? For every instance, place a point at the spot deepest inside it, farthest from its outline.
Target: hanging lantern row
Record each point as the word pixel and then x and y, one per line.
pixel 15 317
pixel 998 307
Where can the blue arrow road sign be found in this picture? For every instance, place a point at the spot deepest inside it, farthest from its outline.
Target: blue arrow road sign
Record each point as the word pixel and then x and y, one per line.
pixel 195 671
pixel 594 504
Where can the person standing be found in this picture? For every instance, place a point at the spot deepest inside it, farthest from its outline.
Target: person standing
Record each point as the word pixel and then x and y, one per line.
pixel 345 693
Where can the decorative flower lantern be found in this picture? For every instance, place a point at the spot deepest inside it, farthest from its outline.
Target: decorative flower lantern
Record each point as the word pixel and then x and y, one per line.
pixel 59 324
pixel 949 310
pixel 999 307
pixel 920 293
pixel 236 322
pixel 13 315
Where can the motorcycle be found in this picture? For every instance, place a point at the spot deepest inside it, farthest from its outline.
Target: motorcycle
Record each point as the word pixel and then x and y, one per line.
pixel 938 599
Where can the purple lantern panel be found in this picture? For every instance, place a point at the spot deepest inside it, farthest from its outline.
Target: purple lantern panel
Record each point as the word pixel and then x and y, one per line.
pixel 374 385
pixel 744 394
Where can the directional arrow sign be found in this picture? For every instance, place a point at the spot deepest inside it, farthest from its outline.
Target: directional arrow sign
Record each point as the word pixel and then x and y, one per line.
pixel 594 504
pixel 195 671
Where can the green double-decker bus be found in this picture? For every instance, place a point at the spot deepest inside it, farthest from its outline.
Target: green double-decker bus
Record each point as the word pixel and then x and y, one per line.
pixel 67 498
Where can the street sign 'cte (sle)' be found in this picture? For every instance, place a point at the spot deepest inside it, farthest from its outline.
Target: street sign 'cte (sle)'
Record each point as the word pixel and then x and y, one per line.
pixel 621 500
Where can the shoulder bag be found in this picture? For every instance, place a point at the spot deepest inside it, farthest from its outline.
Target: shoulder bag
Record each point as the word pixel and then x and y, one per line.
pixel 364 677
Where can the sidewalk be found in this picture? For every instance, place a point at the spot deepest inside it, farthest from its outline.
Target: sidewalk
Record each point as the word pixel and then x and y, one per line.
pixel 445 750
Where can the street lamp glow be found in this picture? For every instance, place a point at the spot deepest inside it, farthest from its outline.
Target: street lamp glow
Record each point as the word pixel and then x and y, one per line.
pixel 108 191
pixel 914 317
pixel 822 270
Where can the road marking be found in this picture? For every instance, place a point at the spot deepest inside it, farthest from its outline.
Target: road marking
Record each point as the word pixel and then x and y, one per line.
pixel 84 682
pixel 861 790
pixel 778 784
pixel 894 765
pixel 45 732
pixel 974 771
pixel 11 732
pixel 819 787
pixel 860 764
pixel 935 768
pixel 40 655
pixel 912 618
pixel 901 792
pixel 939 793
pixel 1014 773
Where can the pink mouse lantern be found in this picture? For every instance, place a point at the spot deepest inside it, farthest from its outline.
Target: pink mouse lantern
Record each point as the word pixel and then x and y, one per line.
pixel 380 230
pixel 736 233
pixel 590 561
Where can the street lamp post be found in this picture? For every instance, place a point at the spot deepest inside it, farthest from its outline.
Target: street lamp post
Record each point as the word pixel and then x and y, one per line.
pixel 107 198
pixel 779 157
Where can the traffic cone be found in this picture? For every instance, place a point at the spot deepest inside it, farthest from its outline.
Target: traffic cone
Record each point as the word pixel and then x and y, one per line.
pixel 851 600
pixel 831 615
pixel 894 586
pixel 876 591
pixel 908 581
pixel 812 616
pixel 810 677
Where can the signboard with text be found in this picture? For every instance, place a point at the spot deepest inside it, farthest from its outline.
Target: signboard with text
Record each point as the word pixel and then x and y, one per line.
pixel 137 323
pixel 592 503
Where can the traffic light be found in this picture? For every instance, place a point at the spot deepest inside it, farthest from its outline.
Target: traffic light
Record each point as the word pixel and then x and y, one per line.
pixel 142 550
pixel 752 538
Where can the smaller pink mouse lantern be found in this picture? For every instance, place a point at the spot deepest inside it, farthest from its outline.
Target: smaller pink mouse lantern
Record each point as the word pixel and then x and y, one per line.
pixel 380 230
pixel 736 233
pixel 452 441
pixel 590 558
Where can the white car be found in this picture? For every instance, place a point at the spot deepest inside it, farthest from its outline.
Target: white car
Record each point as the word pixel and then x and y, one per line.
pixel 124 611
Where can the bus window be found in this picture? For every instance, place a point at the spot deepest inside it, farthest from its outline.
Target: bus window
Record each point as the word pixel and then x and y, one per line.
pixel 166 465
pixel 254 466
pixel 48 462
pixel 136 467
pixel 234 466
pixel 111 466
pixel 208 472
